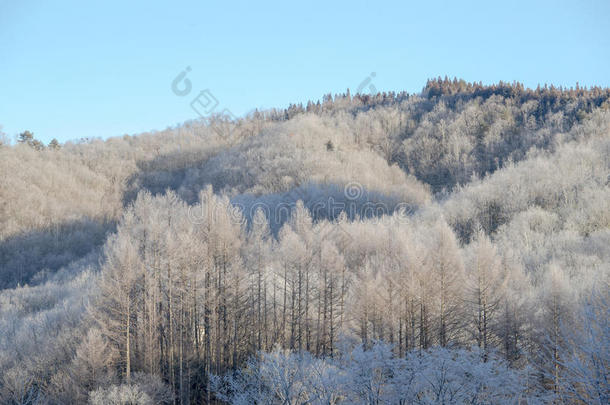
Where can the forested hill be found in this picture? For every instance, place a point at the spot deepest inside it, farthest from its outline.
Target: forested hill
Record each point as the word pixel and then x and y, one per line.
pixel 392 143
pixel 465 215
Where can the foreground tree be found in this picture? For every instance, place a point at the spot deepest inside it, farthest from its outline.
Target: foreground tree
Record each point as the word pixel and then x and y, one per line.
pixel 375 376
pixel 587 360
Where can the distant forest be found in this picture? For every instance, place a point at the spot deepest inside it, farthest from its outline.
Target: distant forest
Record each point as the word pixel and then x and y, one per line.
pixel 450 246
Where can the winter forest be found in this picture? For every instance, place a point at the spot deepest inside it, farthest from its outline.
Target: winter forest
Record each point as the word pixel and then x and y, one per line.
pixel 445 247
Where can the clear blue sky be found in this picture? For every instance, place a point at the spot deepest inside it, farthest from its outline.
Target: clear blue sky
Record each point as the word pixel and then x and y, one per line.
pixel 72 69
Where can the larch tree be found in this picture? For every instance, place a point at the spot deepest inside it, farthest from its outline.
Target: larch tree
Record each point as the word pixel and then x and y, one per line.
pixel 119 297
pixel 444 262
pixel 556 304
pixel 486 283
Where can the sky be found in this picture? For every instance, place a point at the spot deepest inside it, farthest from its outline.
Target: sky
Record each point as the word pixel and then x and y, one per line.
pixel 76 69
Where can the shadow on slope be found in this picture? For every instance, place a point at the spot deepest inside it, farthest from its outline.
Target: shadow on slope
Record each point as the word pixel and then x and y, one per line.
pixel 30 256
pixel 324 202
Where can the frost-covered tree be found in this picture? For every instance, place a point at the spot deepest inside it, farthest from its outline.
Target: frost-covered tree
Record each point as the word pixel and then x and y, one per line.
pixel 484 291
pixel 586 363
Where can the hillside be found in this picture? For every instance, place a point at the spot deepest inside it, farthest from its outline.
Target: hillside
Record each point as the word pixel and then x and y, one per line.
pixel 463 216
